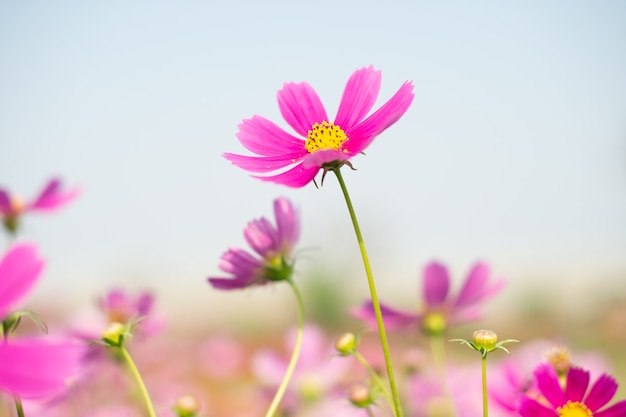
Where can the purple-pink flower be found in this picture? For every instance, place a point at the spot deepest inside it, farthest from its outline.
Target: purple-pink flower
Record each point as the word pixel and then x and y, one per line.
pixel 30 367
pixel 325 143
pixel 574 399
pixel 52 197
pixel 441 309
pixel 274 243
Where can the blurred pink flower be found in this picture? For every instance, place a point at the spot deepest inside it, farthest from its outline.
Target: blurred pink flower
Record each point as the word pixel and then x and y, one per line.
pixel 30 367
pixel 573 399
pixel 325 143
pixel 318 370
pixel 441 309
pixel 221 356
pixel 274 244
pixel 49 199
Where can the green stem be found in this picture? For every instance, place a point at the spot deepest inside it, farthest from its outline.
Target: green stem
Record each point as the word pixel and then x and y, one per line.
pixel 379 382
pixel 18 405
pixel 372 287
pixel 294 356
pixel 484 370
pixel 137 375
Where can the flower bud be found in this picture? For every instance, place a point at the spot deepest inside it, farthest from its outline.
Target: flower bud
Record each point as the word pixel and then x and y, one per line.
pixel 114 334
pixel 360 395
pixel 485 339
pixel 186 406
pixel 346 344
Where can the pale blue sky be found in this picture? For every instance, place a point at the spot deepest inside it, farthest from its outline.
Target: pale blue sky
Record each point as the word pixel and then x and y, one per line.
pixel 514 150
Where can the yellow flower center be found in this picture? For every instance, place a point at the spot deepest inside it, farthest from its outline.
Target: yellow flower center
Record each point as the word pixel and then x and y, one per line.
pixel 324 136
pixel 574 409
pixel 434 323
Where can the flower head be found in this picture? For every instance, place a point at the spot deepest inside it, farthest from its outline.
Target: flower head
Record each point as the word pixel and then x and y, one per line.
pixel 273 243
pixel 30 367
pixel 573 400
pixel 441 309
pixel 325 144
pixel 49 199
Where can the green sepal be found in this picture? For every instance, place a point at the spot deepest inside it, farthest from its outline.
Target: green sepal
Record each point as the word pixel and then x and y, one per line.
pixel 12 321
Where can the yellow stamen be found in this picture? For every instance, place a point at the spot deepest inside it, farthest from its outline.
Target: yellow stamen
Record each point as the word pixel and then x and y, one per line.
pixel 574 409
pixel 324 136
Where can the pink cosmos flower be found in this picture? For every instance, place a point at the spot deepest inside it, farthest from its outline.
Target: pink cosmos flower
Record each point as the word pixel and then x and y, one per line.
pixel 273 243
pixel 49 199
pixel 326 144
pixel 441 309
pixel 573 400
pixel 30 367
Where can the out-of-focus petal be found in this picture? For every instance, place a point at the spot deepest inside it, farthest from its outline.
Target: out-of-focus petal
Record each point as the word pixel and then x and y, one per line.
pixel 601 392
pixel 229 283
pixel 264 137
pixel 52 197
pixel 475 288
pixel 5 202
pixel 436 284
pixel 262 164
pixel 358 97
pixel 531 408
pixel 261 236
pixel 33 367
pixel 296 177
pixel 577 383
pixel 301 107
pixel 20 268
pixel 549 385
pixel 287 223
pixel 361 135
pixel 268 367
pixel 393 319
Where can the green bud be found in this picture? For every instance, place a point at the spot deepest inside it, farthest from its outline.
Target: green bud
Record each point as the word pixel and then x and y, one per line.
pixel 114 334
pixel 187 406
pixel 346 344
pixel 485 339
pixel 360 396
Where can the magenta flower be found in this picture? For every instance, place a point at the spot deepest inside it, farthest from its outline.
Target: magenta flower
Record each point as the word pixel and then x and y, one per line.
pixel 573 400
pixel 50 199
pixel 273 243
pixel 441 309
pixel 326 144
pixel 30 367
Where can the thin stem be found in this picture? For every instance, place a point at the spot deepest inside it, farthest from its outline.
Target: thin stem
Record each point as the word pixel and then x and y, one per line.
pixel 379 382
pixel 18 405
pixel 438 352
pixel 137 375
pixel 484 370
pixel 294 356
pixel 373 294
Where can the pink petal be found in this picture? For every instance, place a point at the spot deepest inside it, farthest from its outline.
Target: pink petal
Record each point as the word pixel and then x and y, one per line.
pixel 358 97
pixel 263 137
pixel 361 135
pixel 577 383
pixel 37 368
pixel 52 198
pixel 616 410
pixel 20 268
pixel 261 236
pixel 229 283
pixel 287 223
pixel 263 164
pixel 436 283
pixel 475 288
pixel 319 158
pixel 549 385
pixel 269 368
pixel 301 107
pixel 531 408
pixel 393 319
pixel 296 177
pixel 601 392
pixel 5 203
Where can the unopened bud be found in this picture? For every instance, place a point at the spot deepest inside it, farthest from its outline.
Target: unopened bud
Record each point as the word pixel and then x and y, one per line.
pixel 360 395
pixel 114 334
pixel 346 344
pixel 485 339
pixel 187 406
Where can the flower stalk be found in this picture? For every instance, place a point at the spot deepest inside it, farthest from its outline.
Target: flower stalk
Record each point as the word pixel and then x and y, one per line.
pixel 372 287
pixel 135 372
pixel 294 356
